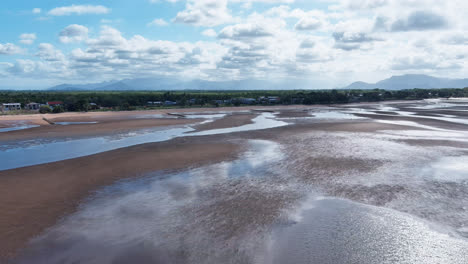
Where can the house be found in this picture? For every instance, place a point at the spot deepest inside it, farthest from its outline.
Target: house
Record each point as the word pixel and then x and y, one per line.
pixel 170 103
pixel 93 106
pixel 54 104
pixel 157 103
pixel 11 107
pixel 273 99
pixel 247 100
pixel 32 106
pixel 269 99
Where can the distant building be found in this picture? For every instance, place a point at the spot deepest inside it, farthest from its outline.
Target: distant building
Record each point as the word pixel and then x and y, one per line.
pixel 53 104
pixel 32 106
pixel 93 106
pixel 157 103
pixel 269 99
pixel 247 100
pixel 170 103
pixel 11 107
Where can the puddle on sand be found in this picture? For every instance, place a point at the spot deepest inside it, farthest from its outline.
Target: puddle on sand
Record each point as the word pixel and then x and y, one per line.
pixel 204 116
pixel 74 123
pixel 335 115
pixel 263 121
pixel 17 126
pixel 449 169
pixel 183 217
pixel 330 230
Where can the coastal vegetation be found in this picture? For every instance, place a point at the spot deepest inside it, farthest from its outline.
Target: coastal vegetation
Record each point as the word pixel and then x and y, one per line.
pixel 76 101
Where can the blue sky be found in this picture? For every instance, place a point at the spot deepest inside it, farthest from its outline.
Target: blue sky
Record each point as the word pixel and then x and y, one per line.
pixel 326 42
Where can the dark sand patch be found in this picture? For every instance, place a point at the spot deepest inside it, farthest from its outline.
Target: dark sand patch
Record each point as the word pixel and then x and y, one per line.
pixel 293 114
pixel 228 121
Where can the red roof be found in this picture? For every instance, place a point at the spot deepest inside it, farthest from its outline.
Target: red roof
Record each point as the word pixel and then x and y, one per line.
pixel 55 103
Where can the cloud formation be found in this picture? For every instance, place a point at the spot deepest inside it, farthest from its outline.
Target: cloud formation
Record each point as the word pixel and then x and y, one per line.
pixel 73 33
pixel 27 38
pixel 344 41
pixel 79 10
pixel 9 49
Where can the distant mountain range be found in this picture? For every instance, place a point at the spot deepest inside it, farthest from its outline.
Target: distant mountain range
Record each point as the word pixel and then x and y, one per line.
pixel 163 83
pixel 411 81
pixel 408 81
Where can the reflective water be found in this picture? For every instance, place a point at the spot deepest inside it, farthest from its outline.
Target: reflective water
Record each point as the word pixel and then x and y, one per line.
pixel 74 123
pixel 335 115
pixel 140 221
pixel 39 153
pixel 263 121
pixel 256 209
pixel 17 127
pixel 330 230
pixel 21 154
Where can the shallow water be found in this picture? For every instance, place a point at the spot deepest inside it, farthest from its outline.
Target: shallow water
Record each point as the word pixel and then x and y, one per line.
pixel 17 127
pixel 39 153
pixel 141 220
pixel 334 115
pixel 263 121
pixel 21 154
pixel 74 123
pixel 330 230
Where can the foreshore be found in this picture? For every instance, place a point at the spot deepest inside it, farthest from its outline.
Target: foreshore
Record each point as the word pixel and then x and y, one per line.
pixel 34 198
pixel 38 197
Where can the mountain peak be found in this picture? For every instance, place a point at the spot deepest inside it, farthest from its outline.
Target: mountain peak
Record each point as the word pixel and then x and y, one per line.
pixel 411 81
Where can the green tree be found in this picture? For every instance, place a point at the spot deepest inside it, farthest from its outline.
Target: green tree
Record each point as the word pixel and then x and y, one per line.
pixel 44 109
pixel 58 109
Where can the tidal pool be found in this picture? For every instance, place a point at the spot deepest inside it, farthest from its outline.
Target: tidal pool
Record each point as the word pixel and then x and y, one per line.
pixel 74 123
pixel 17 127
pixel 38 152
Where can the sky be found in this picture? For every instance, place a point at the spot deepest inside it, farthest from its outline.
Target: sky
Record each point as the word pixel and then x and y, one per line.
pixel 327 43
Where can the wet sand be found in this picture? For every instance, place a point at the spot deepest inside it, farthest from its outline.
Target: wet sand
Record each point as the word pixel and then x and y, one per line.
pixel 34 198
pixel 230 208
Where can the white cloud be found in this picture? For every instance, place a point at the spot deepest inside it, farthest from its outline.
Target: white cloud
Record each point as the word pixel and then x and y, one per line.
pixel 308 23
pixel 48 52
pixel 209 33
pixel 79 10
pixel 36 10
pixel 9 49
pixel 158 22
pixel 205 13
pixel 285 41
pixel 73 33
pixel 27 38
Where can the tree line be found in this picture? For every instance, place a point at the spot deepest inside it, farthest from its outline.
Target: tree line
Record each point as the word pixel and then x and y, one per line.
pixel 129 100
